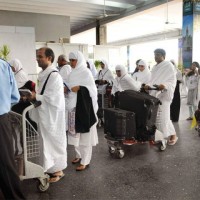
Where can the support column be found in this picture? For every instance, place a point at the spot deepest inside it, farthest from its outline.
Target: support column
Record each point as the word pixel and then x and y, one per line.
pixel 103 35
pixel 97 32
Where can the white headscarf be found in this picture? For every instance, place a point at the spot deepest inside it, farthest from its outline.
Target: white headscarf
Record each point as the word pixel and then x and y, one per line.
pixel 105 63
pixel 20 75
pixel 122 69
pixel 124 82
pixel 92 68
pixel 81 76
pixel 105 73
pixel 143 76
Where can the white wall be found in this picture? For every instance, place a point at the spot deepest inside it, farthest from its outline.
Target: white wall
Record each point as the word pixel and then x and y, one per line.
pixel 21 41
pixel 47 27
pixel 110 53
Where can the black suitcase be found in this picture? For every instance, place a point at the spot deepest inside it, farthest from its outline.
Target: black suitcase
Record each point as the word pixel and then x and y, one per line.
pixel 145 108
pixel 119 124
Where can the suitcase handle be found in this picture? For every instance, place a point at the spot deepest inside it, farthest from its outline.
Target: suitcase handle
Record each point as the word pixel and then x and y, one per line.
pixel 149 114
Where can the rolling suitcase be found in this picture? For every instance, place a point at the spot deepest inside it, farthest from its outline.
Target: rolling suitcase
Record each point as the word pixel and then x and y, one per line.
pixel 119 124
pixel 145 108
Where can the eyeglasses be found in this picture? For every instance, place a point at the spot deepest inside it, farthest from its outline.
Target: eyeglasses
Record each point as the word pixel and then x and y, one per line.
pixel 118 70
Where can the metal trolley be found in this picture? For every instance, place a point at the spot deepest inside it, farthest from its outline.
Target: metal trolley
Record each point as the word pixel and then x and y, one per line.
pixel 116 146
pixel 28 162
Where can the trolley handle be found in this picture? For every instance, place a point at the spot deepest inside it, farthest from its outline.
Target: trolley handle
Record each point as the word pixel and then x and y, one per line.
pixel 155 87
pixel 142 89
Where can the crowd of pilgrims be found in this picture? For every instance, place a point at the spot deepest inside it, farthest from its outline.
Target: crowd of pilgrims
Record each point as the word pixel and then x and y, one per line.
pixel 71 101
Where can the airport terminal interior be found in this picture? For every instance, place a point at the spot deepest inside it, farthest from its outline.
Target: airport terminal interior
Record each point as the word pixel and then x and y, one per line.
pixel 119 31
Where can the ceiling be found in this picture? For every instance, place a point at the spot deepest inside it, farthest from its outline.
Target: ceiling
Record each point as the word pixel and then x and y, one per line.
pixel 83 13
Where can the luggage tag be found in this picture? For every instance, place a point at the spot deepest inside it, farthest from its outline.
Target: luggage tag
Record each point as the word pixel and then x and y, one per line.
pixel 71 123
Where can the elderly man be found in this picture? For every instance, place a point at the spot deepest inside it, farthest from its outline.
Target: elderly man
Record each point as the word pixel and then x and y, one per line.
pixel 10 183
pixel 50 116
pixel 64 71
pixel 63 67
pixel 164 76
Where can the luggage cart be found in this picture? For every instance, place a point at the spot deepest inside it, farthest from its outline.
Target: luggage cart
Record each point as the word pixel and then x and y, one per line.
pixel 28 164
pixel 125 133
pixel 116 144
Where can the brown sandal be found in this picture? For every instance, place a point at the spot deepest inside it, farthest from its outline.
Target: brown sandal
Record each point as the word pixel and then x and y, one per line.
pixel 82 167
pixel 173 142
pixel 76 160
pixel 55 177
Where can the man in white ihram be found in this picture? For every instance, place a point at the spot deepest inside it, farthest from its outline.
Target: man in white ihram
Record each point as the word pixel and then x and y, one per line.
pixel 50 116
pixel 164 76
pixel 63 67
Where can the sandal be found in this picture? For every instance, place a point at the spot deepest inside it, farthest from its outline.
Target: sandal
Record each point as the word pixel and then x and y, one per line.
pixel 55 177
pixel 76 160
pixel 82 167
pixel 173 142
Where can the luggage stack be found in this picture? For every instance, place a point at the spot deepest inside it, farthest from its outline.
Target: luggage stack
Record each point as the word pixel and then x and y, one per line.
pixel 133 120
pixel 145 108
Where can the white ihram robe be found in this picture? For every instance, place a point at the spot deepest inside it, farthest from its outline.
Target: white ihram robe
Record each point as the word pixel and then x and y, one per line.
pixel 64 71
pixel 81 76
pixel 124 82
pixel 164 73
pixel 50 117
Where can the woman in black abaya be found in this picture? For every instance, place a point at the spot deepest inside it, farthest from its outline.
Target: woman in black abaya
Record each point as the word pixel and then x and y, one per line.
pixel 176 102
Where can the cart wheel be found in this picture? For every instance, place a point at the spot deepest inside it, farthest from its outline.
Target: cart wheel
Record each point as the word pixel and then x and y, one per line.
pixel 43 187
pixel 162 146
pixel 120 153
pixel 111 150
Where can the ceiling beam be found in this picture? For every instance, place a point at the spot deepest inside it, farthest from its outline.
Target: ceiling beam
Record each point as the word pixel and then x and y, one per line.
pixel 153 3
pixel 176 33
